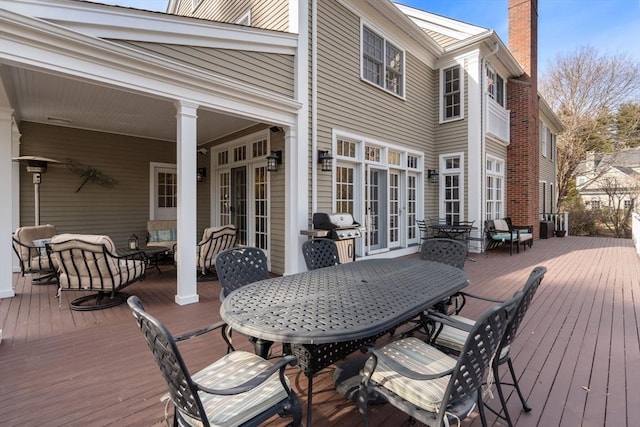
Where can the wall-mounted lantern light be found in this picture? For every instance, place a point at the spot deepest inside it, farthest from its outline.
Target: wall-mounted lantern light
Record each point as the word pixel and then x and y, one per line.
pixel 201 174
pixel 273 160
pixel 324 159
pixel 432 175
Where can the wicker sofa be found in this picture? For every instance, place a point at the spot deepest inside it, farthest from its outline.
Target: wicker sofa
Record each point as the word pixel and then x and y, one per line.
pixel 501 232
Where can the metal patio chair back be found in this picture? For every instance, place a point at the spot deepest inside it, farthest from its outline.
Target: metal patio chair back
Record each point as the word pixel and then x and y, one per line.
pixel 445 251
pixel 237 267
pixel 319 253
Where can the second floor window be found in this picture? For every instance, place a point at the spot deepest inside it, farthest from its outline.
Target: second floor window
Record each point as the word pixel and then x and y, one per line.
pixel 382 62
pixel 495 86
pixel 452 93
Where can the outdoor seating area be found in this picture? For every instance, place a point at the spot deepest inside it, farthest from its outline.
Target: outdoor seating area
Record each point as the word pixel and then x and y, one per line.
pixel 575 353
pixel 501 233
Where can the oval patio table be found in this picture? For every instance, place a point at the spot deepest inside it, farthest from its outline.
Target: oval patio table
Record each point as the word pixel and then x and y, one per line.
pixel 328 313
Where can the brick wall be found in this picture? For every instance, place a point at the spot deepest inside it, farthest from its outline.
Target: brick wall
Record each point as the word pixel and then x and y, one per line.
pixel 523 162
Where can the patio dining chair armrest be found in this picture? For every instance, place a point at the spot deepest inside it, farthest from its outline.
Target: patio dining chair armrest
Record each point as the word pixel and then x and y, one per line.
pixel 449 321
pixel 279 367
pixel 377 354
pixel 198 332
pixel 224 330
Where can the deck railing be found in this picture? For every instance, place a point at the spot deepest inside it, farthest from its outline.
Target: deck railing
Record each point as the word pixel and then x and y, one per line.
pixel 560 220
pixel 635 230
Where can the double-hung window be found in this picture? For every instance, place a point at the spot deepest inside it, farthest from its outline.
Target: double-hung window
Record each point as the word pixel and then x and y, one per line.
pixel 382 62
pixel 452 93
pixel 495 86
pixel 543 140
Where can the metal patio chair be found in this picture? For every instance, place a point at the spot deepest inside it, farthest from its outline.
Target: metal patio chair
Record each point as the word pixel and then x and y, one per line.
pixel 241 388
pixel 240 266
pixel 430 385
pixel 445 251
pixel 214 240
pixel 319 253
pixel 451 332
pixel 29 245
pixel 89 263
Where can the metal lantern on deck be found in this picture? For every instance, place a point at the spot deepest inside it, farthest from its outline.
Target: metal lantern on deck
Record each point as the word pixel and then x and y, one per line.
pixel 133 242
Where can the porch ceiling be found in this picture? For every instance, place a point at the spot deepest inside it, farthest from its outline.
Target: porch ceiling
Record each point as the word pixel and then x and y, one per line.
pixel 58 100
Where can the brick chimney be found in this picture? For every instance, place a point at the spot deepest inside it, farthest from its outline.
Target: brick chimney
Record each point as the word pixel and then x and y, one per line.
pixel 523 161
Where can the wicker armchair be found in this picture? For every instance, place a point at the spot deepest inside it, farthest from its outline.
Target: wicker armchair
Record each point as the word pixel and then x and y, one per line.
pixel 451 332
pixel 319 253
pixel 29 245
pixel 429 385
pixel 239 389
pixel 89 263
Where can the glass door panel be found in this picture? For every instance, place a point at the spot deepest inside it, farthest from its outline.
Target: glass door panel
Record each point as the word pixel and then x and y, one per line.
pixel 238 207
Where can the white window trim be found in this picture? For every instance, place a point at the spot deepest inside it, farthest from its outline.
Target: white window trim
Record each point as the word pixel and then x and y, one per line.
pixel 444 67
pixel 397 45
pixel 544 144
pixel 443 171
pixel 501 175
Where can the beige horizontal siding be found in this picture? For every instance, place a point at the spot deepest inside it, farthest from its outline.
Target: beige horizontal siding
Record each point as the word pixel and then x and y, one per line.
pixel 348 103
pixel 117 211
pixel 273 72
pixel 441 39
pixel 268 14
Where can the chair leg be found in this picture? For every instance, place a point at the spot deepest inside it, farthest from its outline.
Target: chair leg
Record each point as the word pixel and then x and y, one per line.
pixel 503 401
pixel 483 416
pixel 525 405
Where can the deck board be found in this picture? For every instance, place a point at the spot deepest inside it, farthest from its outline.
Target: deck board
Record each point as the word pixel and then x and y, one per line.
pixel 577 352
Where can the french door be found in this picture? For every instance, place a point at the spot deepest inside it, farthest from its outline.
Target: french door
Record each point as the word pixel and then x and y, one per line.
pixel 383 209
pixel 242 199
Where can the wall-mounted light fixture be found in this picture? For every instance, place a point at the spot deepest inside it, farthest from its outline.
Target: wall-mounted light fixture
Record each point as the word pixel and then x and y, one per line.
pixel 324 159
pixel 201 174
pixel 273 160
pixel 432 175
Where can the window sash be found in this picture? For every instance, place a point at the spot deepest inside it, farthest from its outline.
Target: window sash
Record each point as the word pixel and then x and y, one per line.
pixel 382 62
pixel 451 90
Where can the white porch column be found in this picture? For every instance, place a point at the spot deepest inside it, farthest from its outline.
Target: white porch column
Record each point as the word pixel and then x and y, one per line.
pixel 186 145
pixel 6 200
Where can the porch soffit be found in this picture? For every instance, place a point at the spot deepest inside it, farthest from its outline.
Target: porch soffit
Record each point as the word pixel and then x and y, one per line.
pixel 38 45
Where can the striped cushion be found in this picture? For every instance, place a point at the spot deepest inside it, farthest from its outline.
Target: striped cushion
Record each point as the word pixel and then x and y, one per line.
pixel 420 357
pixel 455 338
pixel 232 370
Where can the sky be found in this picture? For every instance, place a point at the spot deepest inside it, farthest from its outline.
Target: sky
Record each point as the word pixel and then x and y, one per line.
pixel 610 26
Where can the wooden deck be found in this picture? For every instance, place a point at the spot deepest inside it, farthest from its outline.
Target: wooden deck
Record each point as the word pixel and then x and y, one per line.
pixel 578 351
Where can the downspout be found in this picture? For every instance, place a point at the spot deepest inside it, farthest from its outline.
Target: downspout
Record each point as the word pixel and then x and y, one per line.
pixel 314 105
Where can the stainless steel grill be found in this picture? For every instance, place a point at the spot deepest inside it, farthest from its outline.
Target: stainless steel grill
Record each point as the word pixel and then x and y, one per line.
pixel 343 229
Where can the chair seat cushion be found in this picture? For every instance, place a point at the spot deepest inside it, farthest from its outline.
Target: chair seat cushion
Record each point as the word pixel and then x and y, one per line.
pixel 525 236
pixel 455 338
pixel 420 357
pixel 504 237
pixel 234 369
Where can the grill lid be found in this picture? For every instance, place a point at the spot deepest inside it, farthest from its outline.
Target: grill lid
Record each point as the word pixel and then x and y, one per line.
pixel 330 221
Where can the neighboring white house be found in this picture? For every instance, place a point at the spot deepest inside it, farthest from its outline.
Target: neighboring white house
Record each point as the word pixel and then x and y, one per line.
pixel 600 175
